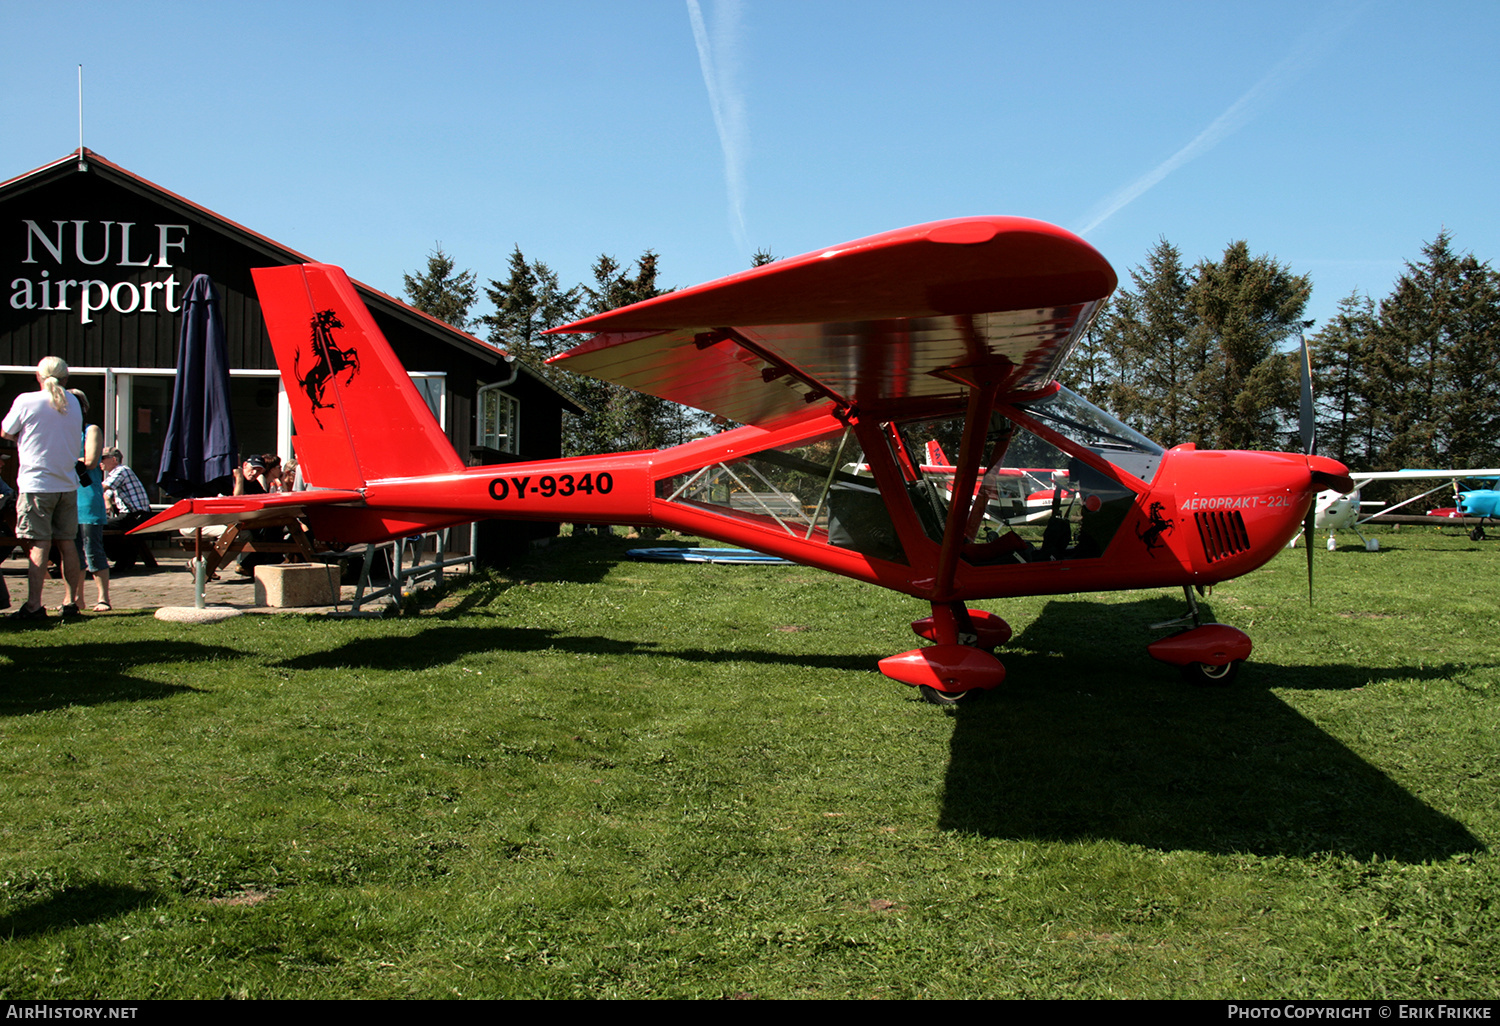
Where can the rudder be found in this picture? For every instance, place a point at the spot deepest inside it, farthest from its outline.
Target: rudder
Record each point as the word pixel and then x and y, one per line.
pixel 358 416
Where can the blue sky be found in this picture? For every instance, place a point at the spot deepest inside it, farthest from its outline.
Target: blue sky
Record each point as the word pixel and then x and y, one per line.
pixel 1338 137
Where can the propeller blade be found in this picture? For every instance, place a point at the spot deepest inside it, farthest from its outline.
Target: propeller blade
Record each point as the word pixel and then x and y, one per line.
pixel 1307 543
pixel 1307 419
pixel 1308 427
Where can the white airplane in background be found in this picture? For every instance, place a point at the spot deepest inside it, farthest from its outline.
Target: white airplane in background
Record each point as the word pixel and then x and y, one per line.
pixel 1337 512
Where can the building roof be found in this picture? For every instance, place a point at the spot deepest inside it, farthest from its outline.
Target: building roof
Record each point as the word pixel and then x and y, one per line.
pixel 86 161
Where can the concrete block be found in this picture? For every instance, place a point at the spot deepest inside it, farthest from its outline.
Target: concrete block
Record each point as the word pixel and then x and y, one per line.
pixel 296 584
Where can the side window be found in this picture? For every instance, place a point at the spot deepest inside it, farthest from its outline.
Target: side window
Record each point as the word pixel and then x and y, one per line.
pixel 820 489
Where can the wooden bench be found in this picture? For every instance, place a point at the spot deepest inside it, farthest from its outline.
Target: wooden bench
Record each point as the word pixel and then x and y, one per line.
pixel 238 538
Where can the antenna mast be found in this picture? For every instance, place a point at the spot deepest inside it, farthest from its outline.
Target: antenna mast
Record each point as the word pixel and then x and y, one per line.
pixel 82 166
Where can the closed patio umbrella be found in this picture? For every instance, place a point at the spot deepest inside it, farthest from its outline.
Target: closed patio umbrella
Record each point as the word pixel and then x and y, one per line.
pixel 200 451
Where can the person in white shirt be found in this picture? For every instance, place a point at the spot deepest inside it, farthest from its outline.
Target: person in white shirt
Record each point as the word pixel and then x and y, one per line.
pixel 46 425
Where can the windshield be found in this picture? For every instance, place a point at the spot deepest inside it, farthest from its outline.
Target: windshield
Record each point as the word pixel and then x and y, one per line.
pixel 1073 416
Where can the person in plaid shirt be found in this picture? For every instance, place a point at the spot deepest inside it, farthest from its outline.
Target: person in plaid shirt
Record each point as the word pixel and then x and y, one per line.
pixel 123 492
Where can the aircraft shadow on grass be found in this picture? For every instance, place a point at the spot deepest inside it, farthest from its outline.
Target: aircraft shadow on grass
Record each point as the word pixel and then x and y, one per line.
pixel 581 559
pixel 441 645
pixel 77 904
pixel 1110 745
pixel 1093 745
pixel 60 675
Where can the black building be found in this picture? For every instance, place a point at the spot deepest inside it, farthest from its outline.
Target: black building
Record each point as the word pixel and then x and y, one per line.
pixel 96 261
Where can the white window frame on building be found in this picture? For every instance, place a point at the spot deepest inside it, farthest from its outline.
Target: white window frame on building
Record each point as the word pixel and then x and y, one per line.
pixel 497 424
pixel 119 384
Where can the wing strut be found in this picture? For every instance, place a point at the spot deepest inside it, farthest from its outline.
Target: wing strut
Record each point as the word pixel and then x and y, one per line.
pixel 976 425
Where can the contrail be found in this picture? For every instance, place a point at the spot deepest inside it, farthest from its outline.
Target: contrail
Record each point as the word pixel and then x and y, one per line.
pixel 1239 112
pixel 717 57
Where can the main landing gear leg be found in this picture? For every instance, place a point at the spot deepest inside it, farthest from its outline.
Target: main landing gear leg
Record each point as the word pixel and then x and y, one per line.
pixel 959 666
pixel 1206 653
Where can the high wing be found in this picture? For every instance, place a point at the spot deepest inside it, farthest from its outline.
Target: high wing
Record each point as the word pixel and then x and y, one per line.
pixel 1333 515
pixel 1363 478
pixel 911 314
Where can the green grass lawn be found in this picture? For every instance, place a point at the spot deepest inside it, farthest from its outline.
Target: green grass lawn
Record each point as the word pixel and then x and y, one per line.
pixel 603 778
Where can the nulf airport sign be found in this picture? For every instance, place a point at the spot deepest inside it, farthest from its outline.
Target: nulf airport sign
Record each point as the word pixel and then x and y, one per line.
pixel 59 248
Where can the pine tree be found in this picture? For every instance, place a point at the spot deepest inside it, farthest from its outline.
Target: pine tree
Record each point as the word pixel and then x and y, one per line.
pixel 1090 370
pixel 1191 355
pixel 1136 359
pixel 527 303
pixel 1470 411
pixel 440 292
pixel 622 419
pixel 1435 352
pixel 1341 353
pixel 1157 358
pixel 1243 309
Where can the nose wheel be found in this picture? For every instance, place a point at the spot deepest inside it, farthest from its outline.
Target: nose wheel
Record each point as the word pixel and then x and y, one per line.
pixel 1207 675
pixel 932 696
pixel 1209 654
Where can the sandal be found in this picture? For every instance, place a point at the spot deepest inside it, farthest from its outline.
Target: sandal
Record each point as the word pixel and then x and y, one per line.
pixel 101 607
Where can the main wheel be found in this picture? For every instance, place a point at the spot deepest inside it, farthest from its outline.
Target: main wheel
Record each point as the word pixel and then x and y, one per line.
pixel 1477 534
pixel 935 697
pixel 1212 676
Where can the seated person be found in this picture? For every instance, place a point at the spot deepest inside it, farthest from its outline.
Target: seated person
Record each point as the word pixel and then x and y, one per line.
pixel 272 476
pixel 126 505
pixel 250 479
pixel 125 498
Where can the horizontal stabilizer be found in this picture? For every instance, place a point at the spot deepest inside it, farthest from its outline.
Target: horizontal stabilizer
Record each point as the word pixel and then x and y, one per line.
pixel 224 510
pixel 334 516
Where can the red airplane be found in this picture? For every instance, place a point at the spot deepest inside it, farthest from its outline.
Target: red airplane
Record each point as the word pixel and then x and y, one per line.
pixel 842 364
pixel 1012 504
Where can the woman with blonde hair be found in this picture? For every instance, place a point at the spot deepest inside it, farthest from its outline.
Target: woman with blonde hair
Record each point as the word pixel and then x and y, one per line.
pixel 46 426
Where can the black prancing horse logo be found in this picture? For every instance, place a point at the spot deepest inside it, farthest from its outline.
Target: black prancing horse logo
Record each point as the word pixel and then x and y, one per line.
pixel 328 362
pixel 1160 525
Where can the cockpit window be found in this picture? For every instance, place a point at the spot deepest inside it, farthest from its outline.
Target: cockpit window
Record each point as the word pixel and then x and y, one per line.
pixel 1032 501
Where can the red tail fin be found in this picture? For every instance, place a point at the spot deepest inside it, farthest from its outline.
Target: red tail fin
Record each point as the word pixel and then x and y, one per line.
pixel 935 455
pixel 358 416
